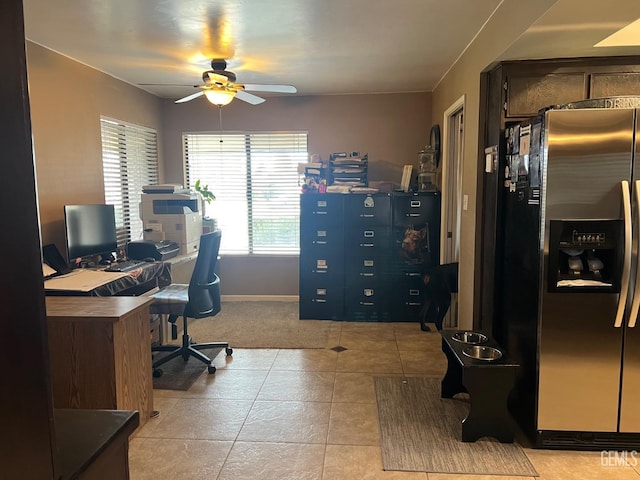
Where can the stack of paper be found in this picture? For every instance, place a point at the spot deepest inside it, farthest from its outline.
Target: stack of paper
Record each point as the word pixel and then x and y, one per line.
pixel 348 170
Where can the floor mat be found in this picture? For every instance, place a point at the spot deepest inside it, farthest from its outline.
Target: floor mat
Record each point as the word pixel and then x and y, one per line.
pixel 421 432
pixel 180 375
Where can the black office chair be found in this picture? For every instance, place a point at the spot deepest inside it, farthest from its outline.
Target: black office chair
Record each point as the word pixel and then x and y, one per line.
pixel 199 299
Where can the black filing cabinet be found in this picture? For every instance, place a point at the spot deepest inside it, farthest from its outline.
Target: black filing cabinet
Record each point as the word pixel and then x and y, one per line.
pixel 367 244
pixel 351 262
pixel 419 212
pixel 321 256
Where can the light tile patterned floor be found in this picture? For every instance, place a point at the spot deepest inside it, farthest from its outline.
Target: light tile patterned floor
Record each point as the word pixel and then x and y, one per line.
pixel 308 415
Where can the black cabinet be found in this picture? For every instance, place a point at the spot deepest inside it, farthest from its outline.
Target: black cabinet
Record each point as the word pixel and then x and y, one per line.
pixel 367 242
pixel 414 213
pixel 352 265
pixel 321 256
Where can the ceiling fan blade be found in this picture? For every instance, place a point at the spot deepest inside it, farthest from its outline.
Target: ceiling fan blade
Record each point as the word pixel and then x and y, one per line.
pixel 270 88
pixel 248 97
pixel 217 78
pixel 169 85
pixel 190 97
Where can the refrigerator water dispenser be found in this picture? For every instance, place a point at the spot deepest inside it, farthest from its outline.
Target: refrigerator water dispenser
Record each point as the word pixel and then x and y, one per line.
pixel 585 255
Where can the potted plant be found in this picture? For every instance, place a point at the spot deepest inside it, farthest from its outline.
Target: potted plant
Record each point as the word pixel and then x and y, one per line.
pixel 207 196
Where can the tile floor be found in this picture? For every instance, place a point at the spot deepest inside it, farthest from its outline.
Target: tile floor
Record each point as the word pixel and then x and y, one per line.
pixel 271 414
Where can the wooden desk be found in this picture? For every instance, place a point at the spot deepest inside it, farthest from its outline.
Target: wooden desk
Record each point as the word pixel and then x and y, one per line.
pixel 100 353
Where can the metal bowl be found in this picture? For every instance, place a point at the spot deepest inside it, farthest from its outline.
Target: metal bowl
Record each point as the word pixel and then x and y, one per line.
pixel 469 337
pixel 478 352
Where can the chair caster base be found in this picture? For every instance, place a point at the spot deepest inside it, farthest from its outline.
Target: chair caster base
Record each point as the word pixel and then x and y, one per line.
pixel 157 372
pixel 211 369
pixel 229 351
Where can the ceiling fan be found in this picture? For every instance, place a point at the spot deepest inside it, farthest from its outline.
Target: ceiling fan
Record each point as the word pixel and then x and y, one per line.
pixel 220 87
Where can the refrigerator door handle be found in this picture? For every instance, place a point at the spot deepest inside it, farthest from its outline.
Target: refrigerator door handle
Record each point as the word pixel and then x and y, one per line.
pixel 626 268
pixel 635 306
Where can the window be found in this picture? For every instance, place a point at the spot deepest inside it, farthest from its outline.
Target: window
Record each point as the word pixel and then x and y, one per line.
pixel 254 177
pixel 129 162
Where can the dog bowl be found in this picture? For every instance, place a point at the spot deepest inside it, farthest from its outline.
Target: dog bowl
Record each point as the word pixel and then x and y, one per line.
pixel 478 352
pixel 469 337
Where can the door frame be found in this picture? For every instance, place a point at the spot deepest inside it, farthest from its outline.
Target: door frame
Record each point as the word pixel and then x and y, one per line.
pixel 452 172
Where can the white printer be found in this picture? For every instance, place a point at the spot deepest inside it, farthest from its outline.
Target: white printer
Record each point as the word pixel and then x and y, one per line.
pixel 176 217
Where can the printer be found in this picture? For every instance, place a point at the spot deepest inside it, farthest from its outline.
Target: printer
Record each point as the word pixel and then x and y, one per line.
pixel 174 217
pixel 143 249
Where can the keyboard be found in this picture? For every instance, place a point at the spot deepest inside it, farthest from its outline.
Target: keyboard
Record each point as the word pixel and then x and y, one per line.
pixel 125 266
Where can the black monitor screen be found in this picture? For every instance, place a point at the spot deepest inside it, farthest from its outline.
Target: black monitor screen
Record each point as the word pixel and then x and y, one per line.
pixel 90 230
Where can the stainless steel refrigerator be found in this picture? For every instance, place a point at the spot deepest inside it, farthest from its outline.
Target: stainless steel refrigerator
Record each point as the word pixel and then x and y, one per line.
pixel 568 273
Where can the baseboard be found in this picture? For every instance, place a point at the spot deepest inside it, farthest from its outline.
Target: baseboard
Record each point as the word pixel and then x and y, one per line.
pixel 259 298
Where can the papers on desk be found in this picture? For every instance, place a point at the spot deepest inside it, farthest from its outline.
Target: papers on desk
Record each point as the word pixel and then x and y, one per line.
pixel 47 271
pixel 82 280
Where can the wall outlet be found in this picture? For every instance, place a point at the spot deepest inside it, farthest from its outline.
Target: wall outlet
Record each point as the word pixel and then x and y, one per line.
pixel 465 202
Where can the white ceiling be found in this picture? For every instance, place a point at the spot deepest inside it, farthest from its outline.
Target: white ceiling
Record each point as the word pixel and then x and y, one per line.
pixel 319 46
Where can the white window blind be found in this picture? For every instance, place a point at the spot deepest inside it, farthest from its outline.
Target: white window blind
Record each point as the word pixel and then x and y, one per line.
pixel 129 161
pixel 254 177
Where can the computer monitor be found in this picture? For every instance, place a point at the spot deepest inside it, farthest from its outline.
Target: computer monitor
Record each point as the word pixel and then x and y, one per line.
pixel 90 231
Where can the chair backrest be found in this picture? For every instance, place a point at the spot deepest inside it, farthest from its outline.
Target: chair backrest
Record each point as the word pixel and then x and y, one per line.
pixel 204 287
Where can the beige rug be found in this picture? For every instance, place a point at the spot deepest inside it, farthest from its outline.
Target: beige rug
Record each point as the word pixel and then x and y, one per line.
pixel 421 432
pixel 262 324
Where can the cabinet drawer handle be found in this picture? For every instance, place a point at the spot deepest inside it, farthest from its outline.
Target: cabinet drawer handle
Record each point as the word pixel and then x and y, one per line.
pixel 367 215
pixel 413 214
pixel 367 274
pixel 415 203
pixel 367 244
pixel 369 233
pixel 414 304
pixel 369 304
pixel 319 300
pixel 414 292
pixel 320 242
pixel 320 271
pixel 320 213
pixel 412 274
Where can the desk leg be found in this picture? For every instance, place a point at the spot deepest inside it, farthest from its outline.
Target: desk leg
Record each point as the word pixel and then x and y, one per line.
pixel 452 380
pixel 165 332
pixel 488 416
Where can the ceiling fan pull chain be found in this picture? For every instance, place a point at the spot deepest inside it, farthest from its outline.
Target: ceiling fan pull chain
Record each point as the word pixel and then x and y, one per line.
pixel 220 111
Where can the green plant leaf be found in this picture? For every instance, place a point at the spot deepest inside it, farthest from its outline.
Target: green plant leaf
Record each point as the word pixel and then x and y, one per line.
pixel 207 195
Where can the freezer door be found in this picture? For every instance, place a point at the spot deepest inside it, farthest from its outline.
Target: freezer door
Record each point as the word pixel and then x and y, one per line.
pixel 586 157
pixel 630 391
pixel 630 398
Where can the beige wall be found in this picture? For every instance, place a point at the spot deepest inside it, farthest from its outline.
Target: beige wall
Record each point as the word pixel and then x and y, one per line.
pixel 509 21
pixel 67 100
pixel 392 129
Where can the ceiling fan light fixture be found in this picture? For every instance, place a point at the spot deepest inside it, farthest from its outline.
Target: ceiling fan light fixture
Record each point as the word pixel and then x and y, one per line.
pixel 220 96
